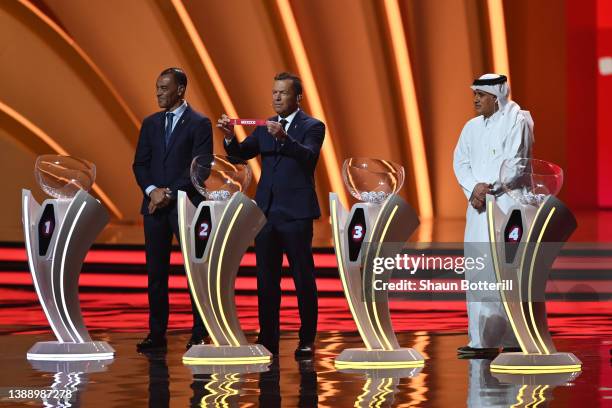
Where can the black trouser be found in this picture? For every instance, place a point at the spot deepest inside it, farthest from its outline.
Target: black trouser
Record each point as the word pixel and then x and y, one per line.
pixel 158 230
pixel 294 238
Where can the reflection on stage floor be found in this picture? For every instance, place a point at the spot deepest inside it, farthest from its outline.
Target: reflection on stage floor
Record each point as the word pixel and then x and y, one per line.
pixel 161 379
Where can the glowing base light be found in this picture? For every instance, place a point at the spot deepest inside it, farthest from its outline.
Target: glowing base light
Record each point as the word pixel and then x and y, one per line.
pixel 522 363
pixel 209 354
pixel 71 357
pixel 535 370
pixel 379 364
pixel 225 361
pixel 56 351
pixel 364 359
pixel 550 223
pixel 55 258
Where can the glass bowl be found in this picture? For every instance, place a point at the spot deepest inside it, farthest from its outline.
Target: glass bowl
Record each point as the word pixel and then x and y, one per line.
pixel 218 177
pixel 62 177
pixel 530 181
pixel 372 180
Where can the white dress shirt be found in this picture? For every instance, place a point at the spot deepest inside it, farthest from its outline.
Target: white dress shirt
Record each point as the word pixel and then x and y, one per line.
pixel 177 113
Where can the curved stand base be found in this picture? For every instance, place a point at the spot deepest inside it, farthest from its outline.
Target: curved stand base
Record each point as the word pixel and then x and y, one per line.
pixel 519 363
pixel 56 351
pixel 209 354
pixel 361 358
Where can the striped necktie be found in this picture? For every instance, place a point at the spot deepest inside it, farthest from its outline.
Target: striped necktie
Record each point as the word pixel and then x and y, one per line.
pixel 168 133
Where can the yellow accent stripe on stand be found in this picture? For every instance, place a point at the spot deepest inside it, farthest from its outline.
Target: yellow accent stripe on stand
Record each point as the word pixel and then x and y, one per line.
pixel 497 273
pixel 379 364
pixel 380 242
pixel 343 278
pixel 224 360
pixel 365 267
pixel 529 300
pixel 535 218
pixel 535 369
pixel 219 264
pixel 182 216
pixel 210 272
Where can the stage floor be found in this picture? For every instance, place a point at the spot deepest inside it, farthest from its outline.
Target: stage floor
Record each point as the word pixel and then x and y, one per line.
pixel 114 305
pixel 161 379
pixel 435 329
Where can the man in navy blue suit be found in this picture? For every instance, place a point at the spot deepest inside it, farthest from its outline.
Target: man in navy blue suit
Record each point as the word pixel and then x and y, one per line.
pixel 168 142
pixel 289 147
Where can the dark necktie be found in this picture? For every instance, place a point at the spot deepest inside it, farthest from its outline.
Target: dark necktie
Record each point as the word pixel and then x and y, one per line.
pixel 277 144
pixel 283 123
pixel 168 133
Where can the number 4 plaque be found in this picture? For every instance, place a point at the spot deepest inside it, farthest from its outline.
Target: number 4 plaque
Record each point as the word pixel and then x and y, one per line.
pixel 525 240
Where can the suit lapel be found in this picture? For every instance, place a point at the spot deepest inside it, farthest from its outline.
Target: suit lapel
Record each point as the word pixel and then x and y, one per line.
pixel 296 130
pixel 178 130
pixel 160 122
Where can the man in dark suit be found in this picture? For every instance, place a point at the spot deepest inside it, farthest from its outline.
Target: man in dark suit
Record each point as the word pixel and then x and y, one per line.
pixel 289 147
pixel 168 142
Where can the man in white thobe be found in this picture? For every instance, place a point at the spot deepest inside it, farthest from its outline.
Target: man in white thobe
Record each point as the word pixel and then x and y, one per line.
pixel 501 131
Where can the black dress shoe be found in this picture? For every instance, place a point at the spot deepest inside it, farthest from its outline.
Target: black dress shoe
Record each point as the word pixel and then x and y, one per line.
pixel 305 350
pixel 511 350
pixel 195 340
pixel 477 351
pixel 151 343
